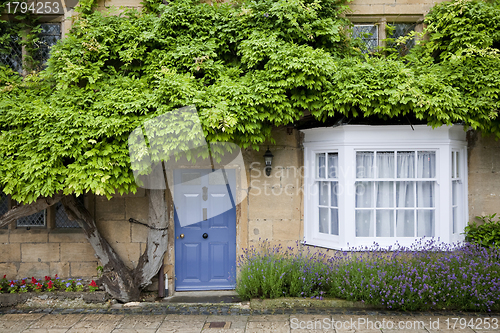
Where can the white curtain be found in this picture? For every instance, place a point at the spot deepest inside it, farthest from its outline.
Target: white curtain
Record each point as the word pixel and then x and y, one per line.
pixel 384 219
pixel 333 163
pixel 426 168
pixel 380 194
pixel 364 194
pixel 364 199
pixel 405 195
pixel 364 164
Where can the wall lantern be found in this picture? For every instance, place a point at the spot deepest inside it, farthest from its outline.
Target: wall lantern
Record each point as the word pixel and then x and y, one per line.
pixel 268 158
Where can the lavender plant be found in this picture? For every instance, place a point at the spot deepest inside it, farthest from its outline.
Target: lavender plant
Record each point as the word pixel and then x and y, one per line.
pixel 427 275
pixel 271 272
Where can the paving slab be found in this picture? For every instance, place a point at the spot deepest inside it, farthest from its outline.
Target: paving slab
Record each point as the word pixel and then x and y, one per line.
pixel 56 322
pixel 268 326
pixel 141 322
pixel 186 326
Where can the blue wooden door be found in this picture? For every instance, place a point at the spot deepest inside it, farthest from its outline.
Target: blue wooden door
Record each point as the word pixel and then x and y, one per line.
pixel 205 229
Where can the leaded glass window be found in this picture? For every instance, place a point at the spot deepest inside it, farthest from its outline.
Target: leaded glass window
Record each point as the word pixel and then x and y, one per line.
pixel 368 34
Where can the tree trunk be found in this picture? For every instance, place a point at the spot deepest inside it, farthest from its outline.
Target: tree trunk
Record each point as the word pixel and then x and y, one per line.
pixel 20 211
pixel 118 280
pixel 156 246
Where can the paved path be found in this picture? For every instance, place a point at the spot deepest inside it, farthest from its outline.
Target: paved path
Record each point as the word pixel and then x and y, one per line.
pixel 346 321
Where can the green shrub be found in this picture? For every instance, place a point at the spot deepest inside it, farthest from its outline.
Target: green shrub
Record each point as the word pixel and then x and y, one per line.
pixel 486 234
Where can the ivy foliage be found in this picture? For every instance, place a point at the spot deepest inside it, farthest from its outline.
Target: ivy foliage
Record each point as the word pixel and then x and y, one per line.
pixel 247 67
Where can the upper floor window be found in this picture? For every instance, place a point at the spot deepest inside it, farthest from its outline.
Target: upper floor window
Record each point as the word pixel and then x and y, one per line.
pixel 384 184
pixel 372 35
pixel 15 57
pixel 368 34
pixel 49 35
pixel 397 30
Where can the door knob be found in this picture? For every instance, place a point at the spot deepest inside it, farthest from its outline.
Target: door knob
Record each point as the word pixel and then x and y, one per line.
pixel 182 236
pixel 205 235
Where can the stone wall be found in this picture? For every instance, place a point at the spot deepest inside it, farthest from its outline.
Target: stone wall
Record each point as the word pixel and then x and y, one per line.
pixel 26 253
pixel 65 251
pixel 275 208
pixel 484 175
pixel 391 8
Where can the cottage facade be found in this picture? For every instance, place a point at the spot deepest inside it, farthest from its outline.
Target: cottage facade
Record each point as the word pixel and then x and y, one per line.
pixel 331 187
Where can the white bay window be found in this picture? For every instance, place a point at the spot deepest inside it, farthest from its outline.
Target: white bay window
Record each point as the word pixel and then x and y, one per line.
pixel 384 184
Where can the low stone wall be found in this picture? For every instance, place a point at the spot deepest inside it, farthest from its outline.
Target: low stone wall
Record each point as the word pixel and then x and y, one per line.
pixel 87 297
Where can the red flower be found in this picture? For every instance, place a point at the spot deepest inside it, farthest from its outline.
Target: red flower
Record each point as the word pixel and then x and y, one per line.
pixel 47 278
pixel 93 284
pixel 33 280
pixel 50 284
pixel 23 282
pixel 56 276
pixel 4 276
pixel 39 285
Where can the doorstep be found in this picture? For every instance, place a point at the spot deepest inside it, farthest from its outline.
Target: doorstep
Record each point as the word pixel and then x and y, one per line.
pixel 203 297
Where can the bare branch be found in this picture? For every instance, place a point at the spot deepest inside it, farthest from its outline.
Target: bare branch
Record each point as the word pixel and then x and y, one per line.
pixel 20 211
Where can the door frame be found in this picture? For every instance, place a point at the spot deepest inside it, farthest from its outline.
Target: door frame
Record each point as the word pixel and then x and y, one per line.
pixel 241 224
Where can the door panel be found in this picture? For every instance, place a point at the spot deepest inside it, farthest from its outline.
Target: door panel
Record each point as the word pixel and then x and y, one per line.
pixel 204 206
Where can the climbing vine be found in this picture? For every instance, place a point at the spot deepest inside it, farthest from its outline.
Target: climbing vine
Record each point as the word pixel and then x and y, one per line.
pixel 247 66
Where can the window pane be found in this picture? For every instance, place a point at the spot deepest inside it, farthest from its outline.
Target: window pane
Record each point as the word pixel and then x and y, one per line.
pixel 335 222
pixel 458 165
pixel 364 164
pixel 62 220
pixel 385 223
pixel 334 194
pixel 217 178
pixel 425 223
pixel 4 203
pixel 426 164
pixel 455 192
pixel 49 35
pixel 364 225
pixel 385 164
pixel 321 165
pixel 368 34
pixel 385 194
pixel 406 164
pixel 323 220
pixel 453 165
pixel 425 194
pixel 364 194
pixel 400 30
pixel 455 219
pixel 14 57
pixel 191 178
pixel 333 164
pixel 37 219
pixel 323 193
pixel 405 194
pixel 405 223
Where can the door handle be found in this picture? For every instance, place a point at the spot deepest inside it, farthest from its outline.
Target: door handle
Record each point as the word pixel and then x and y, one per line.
pixel 205 235
pixel 181 236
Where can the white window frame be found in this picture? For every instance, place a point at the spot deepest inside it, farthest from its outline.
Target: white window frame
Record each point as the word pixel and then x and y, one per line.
pixel 346 140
